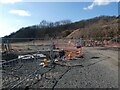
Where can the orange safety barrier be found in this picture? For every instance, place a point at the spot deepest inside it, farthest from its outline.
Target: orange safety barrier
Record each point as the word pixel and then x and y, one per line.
pixel 73 53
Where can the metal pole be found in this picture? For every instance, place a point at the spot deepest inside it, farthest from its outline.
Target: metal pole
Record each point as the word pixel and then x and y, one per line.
pixel 51 52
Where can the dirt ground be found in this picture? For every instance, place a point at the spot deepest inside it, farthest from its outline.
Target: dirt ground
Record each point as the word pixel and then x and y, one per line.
pixel 97 69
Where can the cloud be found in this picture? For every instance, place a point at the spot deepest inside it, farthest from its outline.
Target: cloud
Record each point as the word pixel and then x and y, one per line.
pixel 89 7
pixel 9 1
pixel 20 12
pixel 99 3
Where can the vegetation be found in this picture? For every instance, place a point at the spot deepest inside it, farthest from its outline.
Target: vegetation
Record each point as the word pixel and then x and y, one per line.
pixel 95 28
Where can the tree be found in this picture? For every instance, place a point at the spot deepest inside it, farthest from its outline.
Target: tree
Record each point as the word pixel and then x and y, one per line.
pixel 64 22
pixel 43 24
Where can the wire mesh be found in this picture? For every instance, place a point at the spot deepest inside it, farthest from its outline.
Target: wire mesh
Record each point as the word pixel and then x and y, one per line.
pixel 23 70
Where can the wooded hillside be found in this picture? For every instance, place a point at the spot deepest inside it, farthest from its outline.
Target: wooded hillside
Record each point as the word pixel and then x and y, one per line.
pixel 95 28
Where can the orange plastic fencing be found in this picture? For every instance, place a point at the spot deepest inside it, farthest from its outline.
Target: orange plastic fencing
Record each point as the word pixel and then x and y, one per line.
pixel 69 46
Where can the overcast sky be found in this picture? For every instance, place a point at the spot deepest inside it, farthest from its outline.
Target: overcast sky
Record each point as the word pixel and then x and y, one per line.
pixel 15 14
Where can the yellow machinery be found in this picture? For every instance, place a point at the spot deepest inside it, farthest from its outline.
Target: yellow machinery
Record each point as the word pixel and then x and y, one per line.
pixel 45 62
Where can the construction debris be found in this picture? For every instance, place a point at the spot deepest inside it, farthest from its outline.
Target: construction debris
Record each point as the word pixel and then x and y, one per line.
pixel 39 55
pixel 25 57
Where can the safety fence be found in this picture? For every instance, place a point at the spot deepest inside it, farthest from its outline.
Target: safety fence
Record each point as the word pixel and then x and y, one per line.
pixel 18 71
pixel 26 68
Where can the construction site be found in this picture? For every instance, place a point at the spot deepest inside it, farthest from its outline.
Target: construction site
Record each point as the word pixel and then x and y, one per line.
pixel 59 44
pixel 59 63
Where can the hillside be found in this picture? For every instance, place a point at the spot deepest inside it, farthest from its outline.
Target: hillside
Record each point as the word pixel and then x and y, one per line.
pixel 95 28
pixel 101 29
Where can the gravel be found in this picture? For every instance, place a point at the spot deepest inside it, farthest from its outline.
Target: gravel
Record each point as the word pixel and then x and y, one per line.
pixel 96 70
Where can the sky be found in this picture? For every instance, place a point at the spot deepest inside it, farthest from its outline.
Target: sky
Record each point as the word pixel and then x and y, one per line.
pixel 16 14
